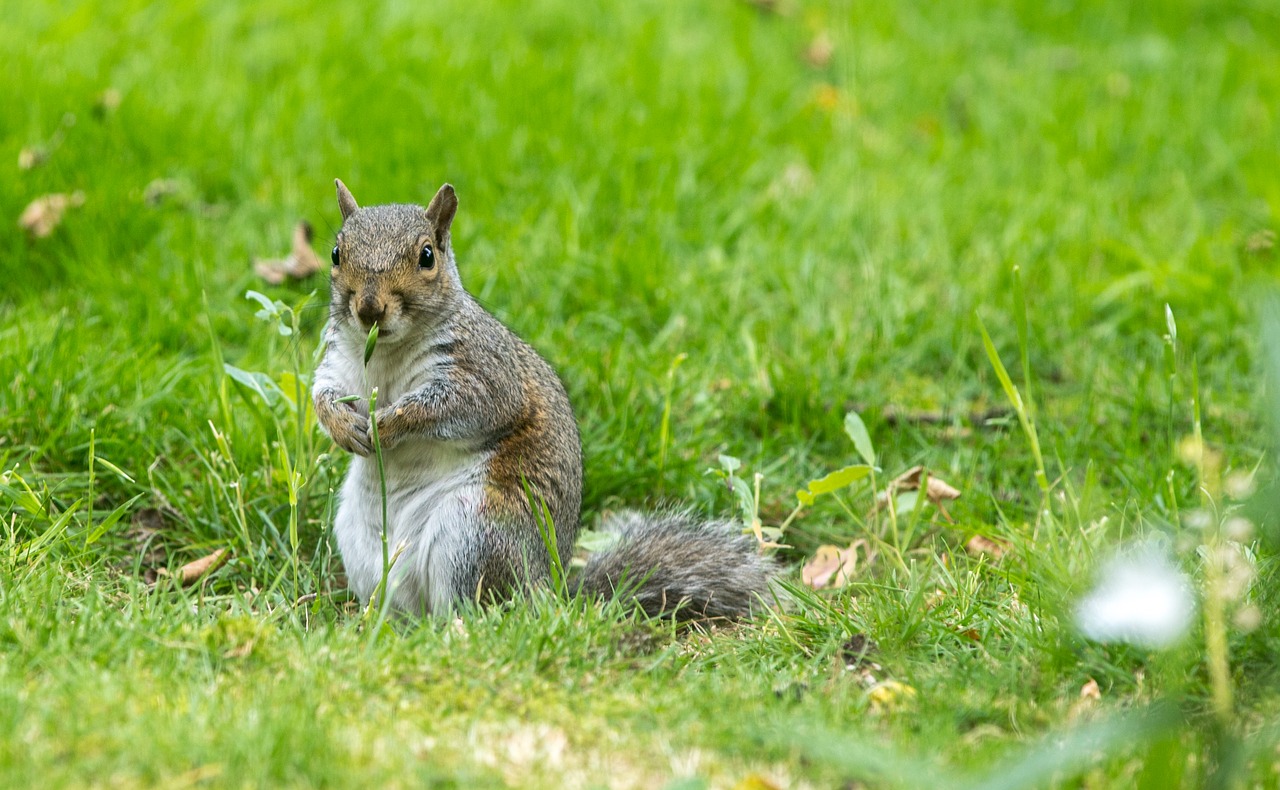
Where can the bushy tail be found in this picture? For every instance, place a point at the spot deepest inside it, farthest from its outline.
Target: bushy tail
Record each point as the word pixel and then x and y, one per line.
pixel 675 565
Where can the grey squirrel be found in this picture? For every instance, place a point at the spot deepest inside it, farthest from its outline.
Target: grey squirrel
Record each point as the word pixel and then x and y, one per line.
pixel 471 420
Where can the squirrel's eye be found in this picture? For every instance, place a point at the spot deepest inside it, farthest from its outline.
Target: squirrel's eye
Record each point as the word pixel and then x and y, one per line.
pixel 426 258
pixel 334 255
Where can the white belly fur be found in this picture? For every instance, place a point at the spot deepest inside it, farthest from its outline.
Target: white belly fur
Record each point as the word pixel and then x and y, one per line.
pixel 434 493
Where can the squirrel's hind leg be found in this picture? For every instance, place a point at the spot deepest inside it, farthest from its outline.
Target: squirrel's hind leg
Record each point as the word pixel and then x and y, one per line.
pixel 503 561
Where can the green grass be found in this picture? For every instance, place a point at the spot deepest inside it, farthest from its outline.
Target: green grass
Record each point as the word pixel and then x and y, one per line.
pixel 637 183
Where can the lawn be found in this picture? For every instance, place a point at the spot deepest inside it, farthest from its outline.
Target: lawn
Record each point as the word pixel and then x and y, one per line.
pixel 728 225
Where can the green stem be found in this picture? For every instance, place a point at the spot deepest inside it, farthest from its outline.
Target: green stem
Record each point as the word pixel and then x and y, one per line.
pixel 382 595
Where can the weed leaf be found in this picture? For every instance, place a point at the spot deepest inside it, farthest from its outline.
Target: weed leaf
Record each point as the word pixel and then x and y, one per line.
pixel 832 482
pixel 258 383
pixel 857 431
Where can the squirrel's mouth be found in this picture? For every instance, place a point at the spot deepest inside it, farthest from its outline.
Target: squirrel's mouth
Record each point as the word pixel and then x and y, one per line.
pixel 384 331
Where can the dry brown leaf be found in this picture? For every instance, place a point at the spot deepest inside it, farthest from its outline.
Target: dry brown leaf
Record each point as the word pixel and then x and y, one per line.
pixel 824 564
pixel 43 214
pixel 820 50
pixel 302 262
pixel 195 570
pixel 981 544
pixel 1090 690
pixel 1088 700
pixel 832 566
pixel 937 490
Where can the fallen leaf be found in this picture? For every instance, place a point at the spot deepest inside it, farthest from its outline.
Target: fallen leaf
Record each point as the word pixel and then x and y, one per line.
pixel 195 570
pixel 1089 697
pixel 302 262
pixel 755 782
pixel 832 566
pixel 981 544
pixel 820 50
pixel 937 490
pixel 1090 690
pixel 890 696
pixel 43 214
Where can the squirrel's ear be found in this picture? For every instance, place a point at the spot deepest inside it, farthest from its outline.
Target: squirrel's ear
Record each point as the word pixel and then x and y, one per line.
pixel 346 203
pixel 442 209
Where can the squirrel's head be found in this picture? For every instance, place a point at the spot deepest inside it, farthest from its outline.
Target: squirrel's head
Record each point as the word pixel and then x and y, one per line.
pixel 393 265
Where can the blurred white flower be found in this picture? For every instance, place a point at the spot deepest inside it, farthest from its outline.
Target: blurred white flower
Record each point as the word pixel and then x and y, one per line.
pixel 1141 598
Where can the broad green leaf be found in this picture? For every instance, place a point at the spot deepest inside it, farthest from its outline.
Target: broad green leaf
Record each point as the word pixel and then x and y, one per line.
pixel 293 388
pixel 258 383
pixel 832 482
pixel 268 306
pixel 857 431
pixel 730 464
pixel 907 501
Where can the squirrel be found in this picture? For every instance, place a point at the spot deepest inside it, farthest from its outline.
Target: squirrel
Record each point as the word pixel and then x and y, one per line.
pixel 471 422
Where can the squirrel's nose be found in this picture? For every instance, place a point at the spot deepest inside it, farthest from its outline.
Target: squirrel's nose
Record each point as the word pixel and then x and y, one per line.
pixel 371 310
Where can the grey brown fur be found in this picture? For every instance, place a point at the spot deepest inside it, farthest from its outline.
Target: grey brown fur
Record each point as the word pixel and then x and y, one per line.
pixel 672 563
pixel 469 414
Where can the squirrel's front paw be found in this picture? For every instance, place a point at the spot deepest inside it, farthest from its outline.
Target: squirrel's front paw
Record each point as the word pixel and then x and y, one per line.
pixel 353 435
pixel 390 427
pixel 348 428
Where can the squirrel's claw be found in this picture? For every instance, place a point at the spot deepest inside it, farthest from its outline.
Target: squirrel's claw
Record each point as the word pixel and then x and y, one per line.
pixel 348 428
pixel 359 438
pixel 388 432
